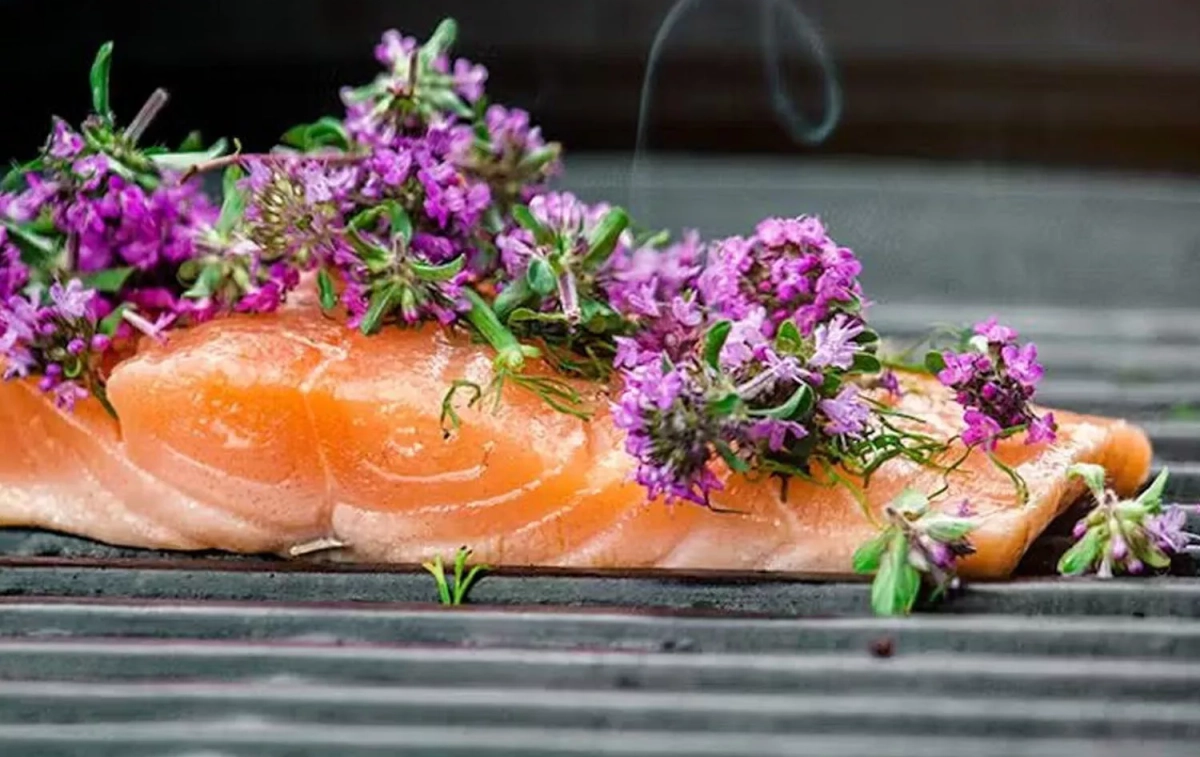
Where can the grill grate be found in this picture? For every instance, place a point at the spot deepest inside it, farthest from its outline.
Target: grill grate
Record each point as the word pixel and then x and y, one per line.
pixel 106 651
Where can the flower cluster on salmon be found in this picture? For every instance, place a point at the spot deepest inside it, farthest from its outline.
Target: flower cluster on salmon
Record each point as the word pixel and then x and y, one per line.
pixel 740 375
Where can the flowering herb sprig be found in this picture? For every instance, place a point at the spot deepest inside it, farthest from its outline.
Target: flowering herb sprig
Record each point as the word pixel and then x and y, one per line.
pixel 763 366
pixel 917 545
pixel 94 230
pixel 1124 536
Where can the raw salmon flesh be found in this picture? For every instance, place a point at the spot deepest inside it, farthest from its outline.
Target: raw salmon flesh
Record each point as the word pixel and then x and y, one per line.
pixel 260 434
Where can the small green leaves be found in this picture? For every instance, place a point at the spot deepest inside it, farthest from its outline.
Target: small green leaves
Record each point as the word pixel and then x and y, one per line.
pixel 108 325
pixel 865 363
pixel 540 277
pixel 207 282
pixel 37 251
pixel 516 294
pixel 1092 475
pixel 604 237
pixel 788 341
pixel 443 272
pixel 325 290
pixel 440 41
pixel 109 280
pixel 522 215
pixel 797 405
pixel 1151 498
pixel 540 158
pixel 399 222
pixel 947 529
pixel 735 463
pixel 868 556
pixel 911 502
pixel 1084 554
pixel 463 579
pixel 897 583
pixel 934 362
pixel 15 178
pixel 714 340
pixel 233 202
pixel 182 161
pixel 725 406
pixel 325 132
pixel 99 81
pixel 383 301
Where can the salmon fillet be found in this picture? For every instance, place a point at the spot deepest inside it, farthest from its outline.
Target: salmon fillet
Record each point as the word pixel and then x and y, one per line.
pixel 258 434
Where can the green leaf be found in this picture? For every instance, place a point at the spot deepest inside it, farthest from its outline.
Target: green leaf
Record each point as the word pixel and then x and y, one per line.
pixel 726 405
pixel 868 555
pixel 325 290
pixel 541 277
pixel 897 583
pixel 1152 497
pixel 603 239
pixel 439 579
pixel 399 222
pixel 382 303
pixel 799 404
pixel 182 161
pixel 324 132
pixel 525 220
pixel 1079 558
pixel 714 340
pixel 109 281
pixel 99 80
pixel 516 294
pixel 447 101
pixel 735 463
pixel 865 363
pixel 440 41
pixel 935 362
pixel 867 337
pixel 233 201
pixel 1092 475
pixel 443 272
pixel 108 325
pixel 36 250
pixel 206 283
pixel 540 158
pixel 788 340
pixel 911 501
pixel 193 142
pixel 947 529
pixel 15 178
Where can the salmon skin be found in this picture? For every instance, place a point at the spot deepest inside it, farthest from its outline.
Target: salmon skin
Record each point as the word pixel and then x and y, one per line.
pixel 260 434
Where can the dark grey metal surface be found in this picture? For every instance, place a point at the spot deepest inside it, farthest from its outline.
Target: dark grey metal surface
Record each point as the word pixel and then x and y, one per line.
pixel 124 653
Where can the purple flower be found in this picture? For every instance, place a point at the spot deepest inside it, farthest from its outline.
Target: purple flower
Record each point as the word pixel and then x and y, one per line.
pixel 834 343
pixel 1167 529
pixel 394 48
pixel 745 341
pixel 67 393
pixel 469 79
pixel 64 142
pixel 1042 430
pixel 1021 363
pixel 890 383
pixel 668 432
pixel 845 413
pixel 980 429
pixel 776 432
pixel 72 300
pixel 994 332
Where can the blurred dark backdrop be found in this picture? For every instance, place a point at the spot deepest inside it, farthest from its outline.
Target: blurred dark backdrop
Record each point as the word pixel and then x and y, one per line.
pixel 1080 83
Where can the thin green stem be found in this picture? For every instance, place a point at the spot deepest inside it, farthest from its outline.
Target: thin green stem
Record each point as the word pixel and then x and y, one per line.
pixel 508 348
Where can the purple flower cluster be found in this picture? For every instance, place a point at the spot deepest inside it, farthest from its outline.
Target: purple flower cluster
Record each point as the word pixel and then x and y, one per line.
pixel 790 267
pixel 751 292
pixel 995 382
pixel 55 338
pixel 670 432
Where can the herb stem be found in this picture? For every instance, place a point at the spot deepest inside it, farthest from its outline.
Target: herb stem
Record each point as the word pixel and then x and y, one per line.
pixel 153 106
pixel 237 159
pixel 506 344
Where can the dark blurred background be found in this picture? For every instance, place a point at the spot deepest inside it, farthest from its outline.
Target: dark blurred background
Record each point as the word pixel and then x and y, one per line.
pixel 1000 135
